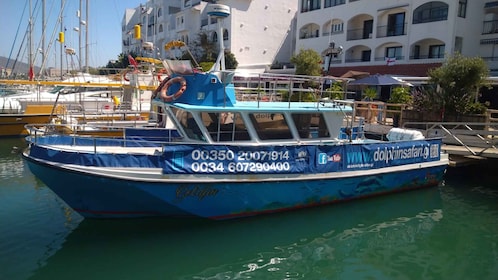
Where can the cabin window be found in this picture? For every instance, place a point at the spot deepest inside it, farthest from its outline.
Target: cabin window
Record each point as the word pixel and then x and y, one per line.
pixel 271 126
pixel 310 125
pixel 189 125
pixel 225 126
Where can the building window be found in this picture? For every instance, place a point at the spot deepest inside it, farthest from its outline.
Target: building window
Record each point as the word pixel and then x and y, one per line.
pixel 462 8
pixel 396 52
pixel 225 35
pixel 337 28
pixel 159 12
pixel 396 24
pixel 215 37
pixel 416 52
pixel 309 5
pixel 331 3
pixel 429 12
pixel 436 51
pixel 365 55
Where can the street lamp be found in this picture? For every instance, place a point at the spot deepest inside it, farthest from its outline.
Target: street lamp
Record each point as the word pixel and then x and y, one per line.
pixel 330 52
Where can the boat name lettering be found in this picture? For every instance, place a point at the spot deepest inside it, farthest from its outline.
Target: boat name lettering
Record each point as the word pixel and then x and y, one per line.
pixel 396 153
pixel 264 116
pixel 230 155
pixel 198 192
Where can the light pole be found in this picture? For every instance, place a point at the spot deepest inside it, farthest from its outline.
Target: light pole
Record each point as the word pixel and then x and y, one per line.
pixel 331 52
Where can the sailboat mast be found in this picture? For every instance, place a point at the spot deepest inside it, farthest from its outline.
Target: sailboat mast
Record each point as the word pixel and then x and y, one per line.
pixel 30 38
pixel 86 35
pixel 43 54
pixel 79 34
pixel 62 43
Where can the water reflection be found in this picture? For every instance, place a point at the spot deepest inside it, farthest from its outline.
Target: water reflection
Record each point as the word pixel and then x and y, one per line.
pixel 33 223
pixel 344 239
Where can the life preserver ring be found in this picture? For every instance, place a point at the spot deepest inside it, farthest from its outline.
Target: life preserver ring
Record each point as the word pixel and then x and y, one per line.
pixel 178 93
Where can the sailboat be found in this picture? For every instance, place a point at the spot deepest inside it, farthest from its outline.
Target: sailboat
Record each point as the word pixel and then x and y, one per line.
pixel 80 99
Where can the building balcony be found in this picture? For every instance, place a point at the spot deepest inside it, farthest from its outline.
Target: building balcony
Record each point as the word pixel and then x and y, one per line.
pixel 391 30
pixel 358 34
pixel 383 58
pixel 436 57
pixel 325 34
pixel 490 27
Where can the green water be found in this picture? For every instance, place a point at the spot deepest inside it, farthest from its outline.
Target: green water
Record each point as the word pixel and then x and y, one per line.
pixel 450 232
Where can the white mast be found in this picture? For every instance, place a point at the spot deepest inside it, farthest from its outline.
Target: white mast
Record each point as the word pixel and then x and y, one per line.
pixel 86 35
pixel 80 53
pixel 30 38
pixel 43 48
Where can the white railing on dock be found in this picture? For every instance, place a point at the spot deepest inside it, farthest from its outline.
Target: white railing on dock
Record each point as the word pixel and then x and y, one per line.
pixel 477 139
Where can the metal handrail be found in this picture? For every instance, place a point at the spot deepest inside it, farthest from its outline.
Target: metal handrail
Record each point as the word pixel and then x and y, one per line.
pixel 458 129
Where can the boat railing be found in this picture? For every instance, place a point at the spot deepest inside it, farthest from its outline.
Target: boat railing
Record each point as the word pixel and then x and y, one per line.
pixel 263 87
pixel 378 112
pixel 142 136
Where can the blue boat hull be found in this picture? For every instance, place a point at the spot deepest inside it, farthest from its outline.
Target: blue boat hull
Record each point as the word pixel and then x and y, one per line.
pixel 107 197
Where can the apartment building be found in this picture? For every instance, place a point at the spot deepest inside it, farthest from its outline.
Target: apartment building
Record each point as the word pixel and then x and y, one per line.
pixel 259 33
pixel 404 37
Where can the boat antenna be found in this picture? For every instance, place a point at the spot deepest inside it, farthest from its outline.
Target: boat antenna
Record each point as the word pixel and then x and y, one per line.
pixel 219 12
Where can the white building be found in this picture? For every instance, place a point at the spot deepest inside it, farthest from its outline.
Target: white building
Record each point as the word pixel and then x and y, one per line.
pixel 259 33
pixel 405 37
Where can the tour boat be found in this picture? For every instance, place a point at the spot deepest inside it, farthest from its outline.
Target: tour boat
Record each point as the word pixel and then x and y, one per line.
pixel 207 154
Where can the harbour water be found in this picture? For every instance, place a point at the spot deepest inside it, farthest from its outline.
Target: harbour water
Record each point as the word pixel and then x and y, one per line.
pixel 447 232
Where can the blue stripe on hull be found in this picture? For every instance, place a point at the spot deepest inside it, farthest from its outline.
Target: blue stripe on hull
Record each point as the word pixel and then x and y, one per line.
pixel 102 197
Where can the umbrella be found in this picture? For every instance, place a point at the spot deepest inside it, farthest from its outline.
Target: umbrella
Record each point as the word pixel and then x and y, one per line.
pixel 378 80
pixel 355 74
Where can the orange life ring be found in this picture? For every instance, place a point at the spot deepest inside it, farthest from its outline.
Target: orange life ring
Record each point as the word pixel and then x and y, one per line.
pixel 178 93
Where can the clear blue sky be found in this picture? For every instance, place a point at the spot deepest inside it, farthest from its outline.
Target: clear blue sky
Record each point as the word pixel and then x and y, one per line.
pixel 104 29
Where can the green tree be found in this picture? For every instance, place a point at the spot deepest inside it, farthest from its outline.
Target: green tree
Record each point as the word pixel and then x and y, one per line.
pixel 459 80
pixel 400 95
pixel 203 49
pixel 307 62
pixel 335 91
pixel 115 66
pixel 206 52
pixel 230 60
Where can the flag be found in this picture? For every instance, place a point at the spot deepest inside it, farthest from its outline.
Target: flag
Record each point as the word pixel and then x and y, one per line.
pixel 31 73
pixel 132 61
pixel 390 61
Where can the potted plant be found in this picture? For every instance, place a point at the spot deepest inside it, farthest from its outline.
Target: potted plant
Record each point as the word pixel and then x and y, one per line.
pixel 369 93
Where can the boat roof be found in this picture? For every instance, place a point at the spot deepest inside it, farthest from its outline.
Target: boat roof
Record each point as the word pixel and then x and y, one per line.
pixel 272 106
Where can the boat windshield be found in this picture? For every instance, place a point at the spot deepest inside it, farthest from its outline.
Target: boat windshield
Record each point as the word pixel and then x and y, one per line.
pixel 181 67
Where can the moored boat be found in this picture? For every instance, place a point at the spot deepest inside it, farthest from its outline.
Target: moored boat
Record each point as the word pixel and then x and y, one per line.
pixel 207 154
